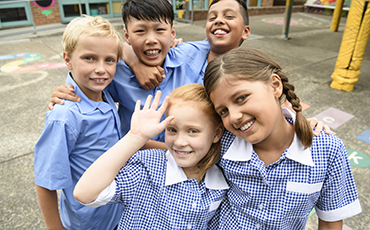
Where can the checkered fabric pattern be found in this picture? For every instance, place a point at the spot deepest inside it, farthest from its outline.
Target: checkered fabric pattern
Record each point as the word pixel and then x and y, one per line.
pixel 149 204
pixel 282 194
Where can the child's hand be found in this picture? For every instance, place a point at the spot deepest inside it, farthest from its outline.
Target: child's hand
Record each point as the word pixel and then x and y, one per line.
pixel 319 126
pixel 148 77
pixel 63 92
pixel 146 123
pixel 176 41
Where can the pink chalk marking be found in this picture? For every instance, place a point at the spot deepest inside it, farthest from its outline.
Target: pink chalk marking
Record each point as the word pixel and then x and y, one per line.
pixel 40 66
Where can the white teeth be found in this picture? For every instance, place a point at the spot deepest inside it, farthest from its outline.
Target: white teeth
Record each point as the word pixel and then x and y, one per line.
pixel 99 80
pixel 182 152
pixel 246 126
pixel 219 31
pixel 152 52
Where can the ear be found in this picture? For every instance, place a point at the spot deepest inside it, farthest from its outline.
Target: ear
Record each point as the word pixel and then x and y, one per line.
pixel 173 34
pixel 277 86
pixel 67 61
pixel 246 32
pixel 127 36
pixel 219 133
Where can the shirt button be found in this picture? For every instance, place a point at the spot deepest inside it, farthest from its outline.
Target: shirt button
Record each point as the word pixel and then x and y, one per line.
pixel 260 206
pixel 258 226
pixel 189 226
pixel 194 205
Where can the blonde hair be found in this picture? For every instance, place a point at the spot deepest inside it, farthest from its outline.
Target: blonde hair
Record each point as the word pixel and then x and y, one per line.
pixel 253 65
pixel 196 93
pixel 89 26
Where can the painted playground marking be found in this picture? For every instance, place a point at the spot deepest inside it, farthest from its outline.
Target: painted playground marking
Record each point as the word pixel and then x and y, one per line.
pixel 365 136
pixel 14 66
pixel 358 159
pixel 334 117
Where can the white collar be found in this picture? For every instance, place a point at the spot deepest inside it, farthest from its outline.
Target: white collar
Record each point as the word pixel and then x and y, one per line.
pixel 241 150
pixel 214 178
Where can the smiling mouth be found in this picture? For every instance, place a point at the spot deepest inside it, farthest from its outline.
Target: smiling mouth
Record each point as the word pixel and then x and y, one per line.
pixel 220 32
pixel 152 52
pixel 182 152
pixel 247 125
pixel 99 80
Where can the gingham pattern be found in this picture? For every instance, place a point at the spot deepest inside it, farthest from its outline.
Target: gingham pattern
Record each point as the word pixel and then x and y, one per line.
pixel 149 204
pixel 258 198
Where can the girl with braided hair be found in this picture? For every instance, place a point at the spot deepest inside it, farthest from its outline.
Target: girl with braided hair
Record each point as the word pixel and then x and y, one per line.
pixel 278 172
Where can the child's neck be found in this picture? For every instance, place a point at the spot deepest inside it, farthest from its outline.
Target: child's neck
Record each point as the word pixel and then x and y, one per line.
pixel 212 55
pixel 271 149
pixel 192 173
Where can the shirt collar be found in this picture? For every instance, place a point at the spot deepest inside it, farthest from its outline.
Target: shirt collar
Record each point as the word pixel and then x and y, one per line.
pixel 241 150
pixel 214 178
pixel 86 105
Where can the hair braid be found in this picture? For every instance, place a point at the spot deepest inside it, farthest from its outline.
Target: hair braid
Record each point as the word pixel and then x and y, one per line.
pixel 302 127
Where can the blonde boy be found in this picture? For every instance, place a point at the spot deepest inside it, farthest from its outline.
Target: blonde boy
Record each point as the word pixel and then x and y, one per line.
pixel 76 134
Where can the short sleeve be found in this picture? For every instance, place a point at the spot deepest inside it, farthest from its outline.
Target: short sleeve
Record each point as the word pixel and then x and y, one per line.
pixel 51 163
pixel 339 198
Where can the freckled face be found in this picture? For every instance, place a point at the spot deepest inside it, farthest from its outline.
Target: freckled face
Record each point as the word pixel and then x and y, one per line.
pixel 189 135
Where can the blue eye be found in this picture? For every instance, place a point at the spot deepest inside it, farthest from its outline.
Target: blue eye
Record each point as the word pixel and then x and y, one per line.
pixel 88 58
pixel 110 60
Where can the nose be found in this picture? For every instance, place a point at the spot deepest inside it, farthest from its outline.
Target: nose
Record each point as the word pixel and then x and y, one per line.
pixel 219 21
pixel 180 141
pixel 100 68
pixel 235 116
pixel 151 38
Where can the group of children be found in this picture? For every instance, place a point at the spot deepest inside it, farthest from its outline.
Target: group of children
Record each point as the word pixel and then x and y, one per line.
pixel 167 163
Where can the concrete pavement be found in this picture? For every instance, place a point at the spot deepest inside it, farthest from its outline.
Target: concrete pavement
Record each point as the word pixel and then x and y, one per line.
pixel 309 56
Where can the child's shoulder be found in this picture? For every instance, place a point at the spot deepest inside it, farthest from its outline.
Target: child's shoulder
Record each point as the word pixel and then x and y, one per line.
pixel 329 146
pixel 189 49
pixel 63 111
pixel 149 156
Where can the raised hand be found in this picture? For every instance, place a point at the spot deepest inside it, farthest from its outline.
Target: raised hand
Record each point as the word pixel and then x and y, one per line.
pixel 146 122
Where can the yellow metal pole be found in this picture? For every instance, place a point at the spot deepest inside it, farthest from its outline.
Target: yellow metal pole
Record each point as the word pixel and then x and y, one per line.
pixel 351 53
pixel 337 14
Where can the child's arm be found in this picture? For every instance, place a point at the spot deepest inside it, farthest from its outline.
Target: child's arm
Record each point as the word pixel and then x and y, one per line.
pixel 145 124
pixel 48 201
pixel 154 145
pixel 324 225
pixel 148 77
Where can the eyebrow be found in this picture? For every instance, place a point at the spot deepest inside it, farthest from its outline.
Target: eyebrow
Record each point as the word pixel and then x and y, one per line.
pixel 223 11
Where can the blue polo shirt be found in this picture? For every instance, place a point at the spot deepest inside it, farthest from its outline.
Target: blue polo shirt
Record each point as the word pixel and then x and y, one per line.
pixel 183 65
pixel 157 194
pixel 74 136
pixel 282 194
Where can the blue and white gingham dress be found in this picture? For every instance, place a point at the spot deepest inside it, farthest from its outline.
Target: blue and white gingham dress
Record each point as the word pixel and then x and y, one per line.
pixel 156 194
pixel 282 194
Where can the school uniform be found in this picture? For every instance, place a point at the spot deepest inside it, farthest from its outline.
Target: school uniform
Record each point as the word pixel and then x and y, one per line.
pixel 74 136
pixel 282 194
pixel 156 193
pixel 183 65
